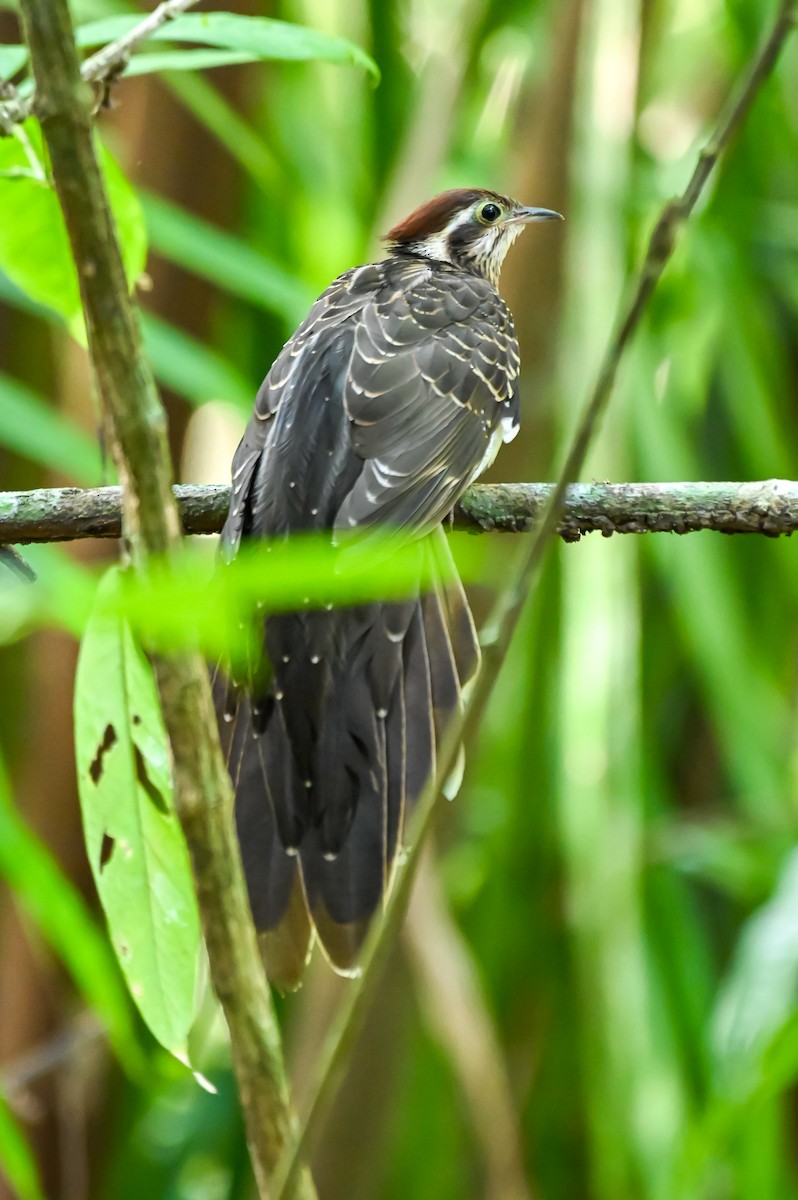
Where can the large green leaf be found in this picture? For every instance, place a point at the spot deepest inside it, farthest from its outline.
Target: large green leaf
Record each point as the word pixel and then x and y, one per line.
pixel 34 247
pixel 60 913
pixel 17 1163
pixel 30 427
pixel 303 571
pixel 134 841
pixel 258 37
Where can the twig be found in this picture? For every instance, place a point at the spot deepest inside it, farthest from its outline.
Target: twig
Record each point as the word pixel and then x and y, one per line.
pixel 505 618
pixel 106 63
pixel 453 1001
pixel 103 66
pixel 136 424
pixel 11 558
pixel 768 507
pixel 51 1054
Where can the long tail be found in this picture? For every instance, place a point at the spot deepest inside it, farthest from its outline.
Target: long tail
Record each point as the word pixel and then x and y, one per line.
pixel 327 766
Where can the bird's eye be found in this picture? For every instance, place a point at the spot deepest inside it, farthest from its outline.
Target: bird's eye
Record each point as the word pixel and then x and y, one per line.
pixel 490 213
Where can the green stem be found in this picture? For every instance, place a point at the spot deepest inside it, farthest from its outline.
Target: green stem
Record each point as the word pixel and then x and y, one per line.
pixel 137 423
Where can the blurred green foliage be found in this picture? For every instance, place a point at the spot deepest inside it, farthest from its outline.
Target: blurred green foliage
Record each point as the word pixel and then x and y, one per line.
pixel 621 860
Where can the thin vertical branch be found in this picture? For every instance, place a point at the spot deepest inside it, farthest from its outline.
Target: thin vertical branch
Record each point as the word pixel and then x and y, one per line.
pixel 137 421
pixel 508 610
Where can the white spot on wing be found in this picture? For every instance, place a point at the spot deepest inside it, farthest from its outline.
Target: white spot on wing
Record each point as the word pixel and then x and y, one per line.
pixel 510 427
pixel 490 453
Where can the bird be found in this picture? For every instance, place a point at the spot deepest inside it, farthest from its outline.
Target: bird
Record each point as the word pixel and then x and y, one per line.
pixel 394 394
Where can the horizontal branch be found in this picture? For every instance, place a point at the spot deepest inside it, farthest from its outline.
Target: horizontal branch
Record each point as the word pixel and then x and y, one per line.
pixel 768 506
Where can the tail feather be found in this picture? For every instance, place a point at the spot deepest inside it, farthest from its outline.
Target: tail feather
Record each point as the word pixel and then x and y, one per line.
pixel 419 725
pixel 396 771
pixel 273 881
pixel 286 948
pixel 457 613
pixel 446 696
pixel 362 699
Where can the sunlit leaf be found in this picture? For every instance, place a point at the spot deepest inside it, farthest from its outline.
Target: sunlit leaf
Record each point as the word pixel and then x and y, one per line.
pixel 60 914
pixel 301 573
pixel 260 37
pixel 34 247
pixel 304 571
pixel 133 838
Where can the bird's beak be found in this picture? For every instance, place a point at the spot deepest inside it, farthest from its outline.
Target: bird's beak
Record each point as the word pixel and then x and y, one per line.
pixel 521 216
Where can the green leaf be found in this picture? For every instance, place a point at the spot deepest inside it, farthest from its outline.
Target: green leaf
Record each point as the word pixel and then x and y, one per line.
pixel 17 1163
pixel 12 59
pixel 185 60
pixel 61 915
pixel 134 841
pixel 128 217
pixel 225 260
pixel 304 571
pixel 31 428
pixel 34 247
pixel 258 36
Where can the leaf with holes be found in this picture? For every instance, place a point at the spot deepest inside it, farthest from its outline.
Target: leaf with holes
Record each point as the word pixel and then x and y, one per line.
pixel 134 842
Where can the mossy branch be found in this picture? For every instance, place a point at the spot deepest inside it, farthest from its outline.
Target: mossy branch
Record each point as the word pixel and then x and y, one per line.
pixel 768 506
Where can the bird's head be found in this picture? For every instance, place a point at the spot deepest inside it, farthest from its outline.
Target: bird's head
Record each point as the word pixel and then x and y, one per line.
pixel 468 227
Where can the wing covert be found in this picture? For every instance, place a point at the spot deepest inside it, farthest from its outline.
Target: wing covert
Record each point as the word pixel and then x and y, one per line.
pixel 431 378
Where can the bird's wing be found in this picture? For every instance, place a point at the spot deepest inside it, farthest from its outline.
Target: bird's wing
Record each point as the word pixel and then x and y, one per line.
pixel 426 362
pixel 294 373
pixel 430 390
